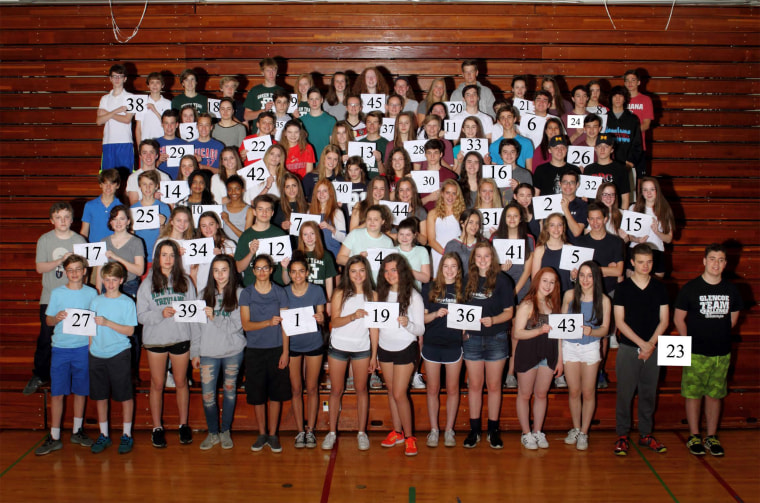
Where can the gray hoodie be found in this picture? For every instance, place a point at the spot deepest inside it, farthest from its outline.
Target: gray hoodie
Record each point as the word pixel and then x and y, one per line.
pixel 157 330
pixel 221 337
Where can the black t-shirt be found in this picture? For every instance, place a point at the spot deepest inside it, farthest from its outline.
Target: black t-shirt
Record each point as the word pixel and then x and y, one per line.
pixel 502 297
pixel 613 172
pixel 436 332
pixel 642 307
pixel 708 314
pixel 606 250
pixel 546 177
pixel 579 210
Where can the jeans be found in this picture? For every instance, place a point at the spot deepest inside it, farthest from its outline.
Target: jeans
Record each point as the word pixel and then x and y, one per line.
pixel 210 368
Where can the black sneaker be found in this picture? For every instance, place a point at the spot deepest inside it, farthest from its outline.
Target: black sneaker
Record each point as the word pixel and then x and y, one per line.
pixel 33 385
pixel 695 445
pixel 185 434
pixel 494 438
pixel 260 442
pixel 49 446
pixel 81 438
pixel 712 445
pixel 158 438
pixel 274 443
pixel 472 439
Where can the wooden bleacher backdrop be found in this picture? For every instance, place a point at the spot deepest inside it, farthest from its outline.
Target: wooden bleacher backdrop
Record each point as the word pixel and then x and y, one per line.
pixel 701 73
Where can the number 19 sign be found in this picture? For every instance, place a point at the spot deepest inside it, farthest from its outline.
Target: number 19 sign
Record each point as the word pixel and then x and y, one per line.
pixel 673 351
pixel 381 314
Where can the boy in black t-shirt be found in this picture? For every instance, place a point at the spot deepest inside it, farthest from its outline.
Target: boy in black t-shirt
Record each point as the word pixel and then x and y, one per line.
pixel 546 178
pixel 707 308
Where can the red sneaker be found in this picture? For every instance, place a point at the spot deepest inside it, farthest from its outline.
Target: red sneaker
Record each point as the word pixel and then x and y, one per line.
pixel 410 449
pixel 393 438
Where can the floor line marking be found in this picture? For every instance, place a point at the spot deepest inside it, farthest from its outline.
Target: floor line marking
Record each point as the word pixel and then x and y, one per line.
pixel 23 456
pixel 329 474
pixel 713 472
pixel 662 482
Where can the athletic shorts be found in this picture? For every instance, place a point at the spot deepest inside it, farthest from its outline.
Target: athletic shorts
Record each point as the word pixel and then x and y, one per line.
pixel 314 352
pixel 705 377
pixel 69 371
pixel 264 380
pixel 118 155
pixel 179 348
pixel 441 354
pixel 404 357
pixel 583 353
pixel 111 377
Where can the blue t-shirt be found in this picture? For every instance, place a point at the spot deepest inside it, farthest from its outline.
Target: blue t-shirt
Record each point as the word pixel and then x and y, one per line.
pixel 314 296
pixel 63 298
pixel 210 151
pixel 121 310
pixel 97 214
pixel 526 150
pixel 163 142
pixel 264 307
pixel 149 236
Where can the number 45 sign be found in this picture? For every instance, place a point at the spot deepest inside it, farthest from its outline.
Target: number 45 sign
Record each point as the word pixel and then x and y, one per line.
pixel 673 351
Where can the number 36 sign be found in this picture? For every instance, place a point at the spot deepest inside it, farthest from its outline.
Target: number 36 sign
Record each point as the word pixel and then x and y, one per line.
pixel 673 351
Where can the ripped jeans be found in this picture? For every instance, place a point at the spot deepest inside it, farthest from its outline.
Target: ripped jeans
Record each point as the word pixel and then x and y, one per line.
pixel 210 368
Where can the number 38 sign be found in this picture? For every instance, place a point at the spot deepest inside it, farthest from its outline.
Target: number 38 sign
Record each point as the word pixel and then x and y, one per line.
pixel 673 351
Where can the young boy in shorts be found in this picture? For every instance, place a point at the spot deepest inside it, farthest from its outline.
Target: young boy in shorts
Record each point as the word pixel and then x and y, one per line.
pixel 96 211
pixel 110 360
pixel 68 364
pixel 281 117
pixel 707 308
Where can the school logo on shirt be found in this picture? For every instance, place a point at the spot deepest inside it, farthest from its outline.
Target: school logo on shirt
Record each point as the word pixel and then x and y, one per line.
pixel 714 306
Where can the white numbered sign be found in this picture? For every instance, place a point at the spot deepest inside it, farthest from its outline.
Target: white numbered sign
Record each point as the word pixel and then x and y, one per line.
pixel 257 147
pixel 451 129
pixel 190 311
pixel 299 320
pixel 197 251
pixel 399 210
pixel 426 181
pixel 673 351
pixel 80 322
pixel 532 126
pixel 388 128
pixel 213 107
pixel 145 217
pixel 376 256
pixel 543 206
pixel 573 256
pixel 297 219
pixel 491 217
pixel 171 192
pixel 479 145
pixel 199 209
pixel 575 121
pixel 636 224
pixel 566 326
pixel 580 156
pixel 502 174
pixel 415 149
pixel 95 253
pixel 176 153
pixel 137 104
pixel 278 248
pixel 510 249
pixel 364 150
pixel 588 186
pixel 343 192
pixel 188 131
pixel 381 315
pixel 464 316
pixel 372 102
pixel 598 110
pixel 454 107
pixel 293 103
pixel 524 106
pixel 254 174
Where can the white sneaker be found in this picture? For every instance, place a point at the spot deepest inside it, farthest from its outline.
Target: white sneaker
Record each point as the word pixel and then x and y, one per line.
pixel 511 382
pixel 375 382
pixel 541 439
pixel 329 441
pixel 528 441
pixel 432 438
pixel 582 443
pixel 170 380
pixel 363 441
pixel 417 382
pixel 614 342
pixel 572 436
pixel 560 382
pixel 449 438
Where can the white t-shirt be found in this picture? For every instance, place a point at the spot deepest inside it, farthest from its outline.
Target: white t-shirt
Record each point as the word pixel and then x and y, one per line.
pixel 134 186
pixel 396 339
pixel 150 125
pixel 354 336
pixel 115 131
pixel 485 120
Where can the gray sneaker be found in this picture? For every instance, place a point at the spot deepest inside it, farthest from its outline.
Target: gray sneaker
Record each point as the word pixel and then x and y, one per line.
pixel 211 440
pixel 449 438
pixel 301 440
pixel 560 382
pixel 274 443
pixel 49 446
pixel 432 438
pixel 226 440
pixel 511 382
pixel 81 438
pixel 259 444
pixel 311 440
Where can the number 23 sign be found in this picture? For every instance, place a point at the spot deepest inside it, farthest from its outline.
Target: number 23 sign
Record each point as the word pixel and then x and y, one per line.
pixel 673 351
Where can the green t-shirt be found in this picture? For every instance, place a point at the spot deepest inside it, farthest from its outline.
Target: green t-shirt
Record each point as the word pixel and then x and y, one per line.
pixel 320 270
pixel 380 144
pixel 242 250
pixel 259 95
pixel 198 101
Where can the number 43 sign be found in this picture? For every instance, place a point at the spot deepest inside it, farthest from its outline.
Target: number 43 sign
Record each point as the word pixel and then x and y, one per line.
pixel 673 351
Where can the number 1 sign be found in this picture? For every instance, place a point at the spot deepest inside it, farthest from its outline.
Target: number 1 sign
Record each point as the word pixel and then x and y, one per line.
pixel 298 321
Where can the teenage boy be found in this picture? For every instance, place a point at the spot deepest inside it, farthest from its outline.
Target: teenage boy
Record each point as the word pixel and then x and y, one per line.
pixel 148 122
pixel 373 121
pixel 118 150
pixel 110 359
pixel 169 123
pixel 471 94
pixel 470 76
pixel 433 155
pixel 53 248
pixel 627 131
pixel 641 315
pixel 706 309
pixel 259 98
pixel 148 157
pixel 610 170
pixel 574 208
pixel 96 211
pixel 281 117
pixel 149 183
pixel 640 104
pixel 207 150
pixel 546 178
pixel 189 81
pixel 265 126
pixel 318 124
pixel 248 244
pixel 592 124
pixel 68 364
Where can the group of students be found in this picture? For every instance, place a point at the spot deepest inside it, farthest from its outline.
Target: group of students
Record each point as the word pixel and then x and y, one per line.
pixel 433 250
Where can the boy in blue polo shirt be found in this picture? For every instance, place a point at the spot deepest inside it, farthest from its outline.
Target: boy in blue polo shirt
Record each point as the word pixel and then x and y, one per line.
pixel 69 371
pixel 97 211
pixel 110 356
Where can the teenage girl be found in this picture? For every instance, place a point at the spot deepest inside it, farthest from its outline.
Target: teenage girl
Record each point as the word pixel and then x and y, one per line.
pixel 524 197
pixel 236 214
pixel 199 191
pixel 489 197
pixel 230 165
pixel 329 167
pixel 406 192
pixel 209 226
pixel 398 166
pixel 333 224
pixel 470 177
pixel 300 158
pixel 471 225
pixel 549 249
pixel 376 191
pixel 443 220
pixel 322 270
